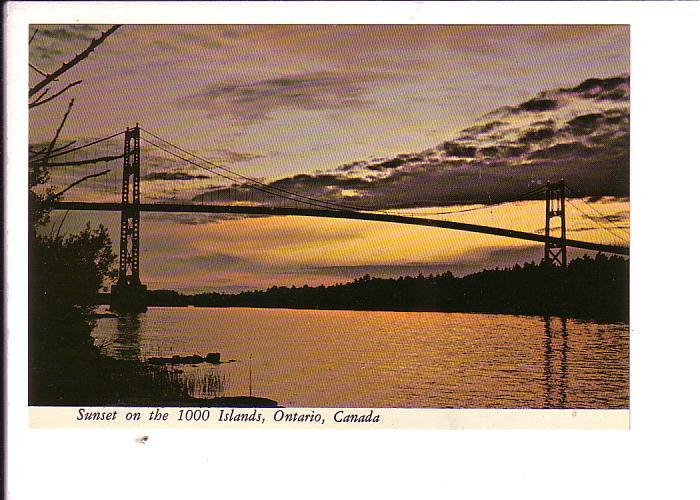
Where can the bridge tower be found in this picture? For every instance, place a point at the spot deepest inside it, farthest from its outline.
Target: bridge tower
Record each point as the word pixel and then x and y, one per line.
pixel 555 248
pixel 129 295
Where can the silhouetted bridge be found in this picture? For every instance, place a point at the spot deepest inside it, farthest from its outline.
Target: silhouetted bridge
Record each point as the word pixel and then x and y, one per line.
pixel 129 293
pixel 338 214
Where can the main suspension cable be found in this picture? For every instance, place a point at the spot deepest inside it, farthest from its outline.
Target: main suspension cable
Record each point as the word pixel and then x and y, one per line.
pixel 597 222
pixel 258 183
pixel 61 153
pixel 236 181
pixel 582 198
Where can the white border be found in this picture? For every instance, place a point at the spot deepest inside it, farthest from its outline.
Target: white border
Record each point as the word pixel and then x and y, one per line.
pixel 647 460
pixel 321 418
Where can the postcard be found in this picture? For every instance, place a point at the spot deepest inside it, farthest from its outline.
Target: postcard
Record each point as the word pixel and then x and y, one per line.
pixel 328 226
pixel 255 248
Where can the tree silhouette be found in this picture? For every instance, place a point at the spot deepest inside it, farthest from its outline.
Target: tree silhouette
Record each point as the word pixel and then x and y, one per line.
pixel 90 251
pixel 589 288
pixel 65 270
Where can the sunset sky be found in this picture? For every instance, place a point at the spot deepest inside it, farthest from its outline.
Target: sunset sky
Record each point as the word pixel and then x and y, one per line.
pixel 420 119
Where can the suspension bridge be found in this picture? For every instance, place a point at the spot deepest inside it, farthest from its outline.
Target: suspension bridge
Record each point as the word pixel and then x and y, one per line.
pixel 108 189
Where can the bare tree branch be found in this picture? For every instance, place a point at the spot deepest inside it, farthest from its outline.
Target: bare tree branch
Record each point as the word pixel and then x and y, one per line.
pixel 56 150
pixel 33 35
pixel 70 186
pixel 39 71
pixel 42 94
pixel 37 102
pixel 60 226
pixel 85 162
pixel 52 144
pixel 37 152
pixel 68 65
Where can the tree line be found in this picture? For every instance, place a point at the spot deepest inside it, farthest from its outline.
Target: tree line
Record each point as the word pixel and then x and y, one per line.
pixel 592 288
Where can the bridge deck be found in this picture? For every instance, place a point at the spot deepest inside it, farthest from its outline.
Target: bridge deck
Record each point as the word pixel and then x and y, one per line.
pixel 336 214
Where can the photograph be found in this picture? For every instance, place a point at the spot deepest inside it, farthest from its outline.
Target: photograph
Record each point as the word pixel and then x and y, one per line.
pixel 329 216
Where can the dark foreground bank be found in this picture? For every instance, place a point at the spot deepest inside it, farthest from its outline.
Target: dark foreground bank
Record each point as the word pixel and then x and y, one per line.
pixel 91 379
pixel 66 368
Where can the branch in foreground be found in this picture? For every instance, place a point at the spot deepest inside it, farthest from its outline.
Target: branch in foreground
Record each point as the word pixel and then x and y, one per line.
pixel 37 102
pixel 42 73
pixel 71 186
pixel 49 150
pixel 60 226
pixel 68 65
pixel 37 152
pixel 84 162
pixel 46 91
pixel 33 35
pixel 67 145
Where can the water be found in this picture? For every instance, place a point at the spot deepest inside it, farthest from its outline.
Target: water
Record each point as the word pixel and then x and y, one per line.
pixel 309 358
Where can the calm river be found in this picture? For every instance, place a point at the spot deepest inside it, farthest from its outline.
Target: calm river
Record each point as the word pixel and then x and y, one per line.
pixel 310 358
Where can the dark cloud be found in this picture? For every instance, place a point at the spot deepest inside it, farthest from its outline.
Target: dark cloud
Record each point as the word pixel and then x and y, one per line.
pixel 481 129
pixel 585 124
pixel 250 102
pixel 491 151
pixel 537 105
pixel 172 176
pixel 546 123
pixel 588 170
pixel 602 89
pixel 606 128
pixel 502 151
pixel 52 41
pixel 537 135
pixel 599 84
pixel 347 167
pixel 613 141
pixel 410 158
pixel 608 218
pixel 617 117
pixel 191 219
pixel 220 259
pixel 379 165
pixel 236 156
pixel 614 95
pixel 320 182
pixel 69 32
pixel 459 150
pixel 233 193
pixel 415 187
pixel 593 171
pixel 388 164
pixel 326 187
pixel 563 150
pixel 590 150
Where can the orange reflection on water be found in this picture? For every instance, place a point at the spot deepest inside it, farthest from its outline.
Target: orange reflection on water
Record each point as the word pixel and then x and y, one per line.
pixel 308 358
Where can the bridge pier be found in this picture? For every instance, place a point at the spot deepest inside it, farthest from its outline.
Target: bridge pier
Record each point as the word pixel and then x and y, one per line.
pixel 555 248
pixel 128 298
pixel 129 295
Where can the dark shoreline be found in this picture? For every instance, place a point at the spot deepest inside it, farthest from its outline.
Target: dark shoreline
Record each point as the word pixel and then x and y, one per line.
pixel 592 289
pixel 454 311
